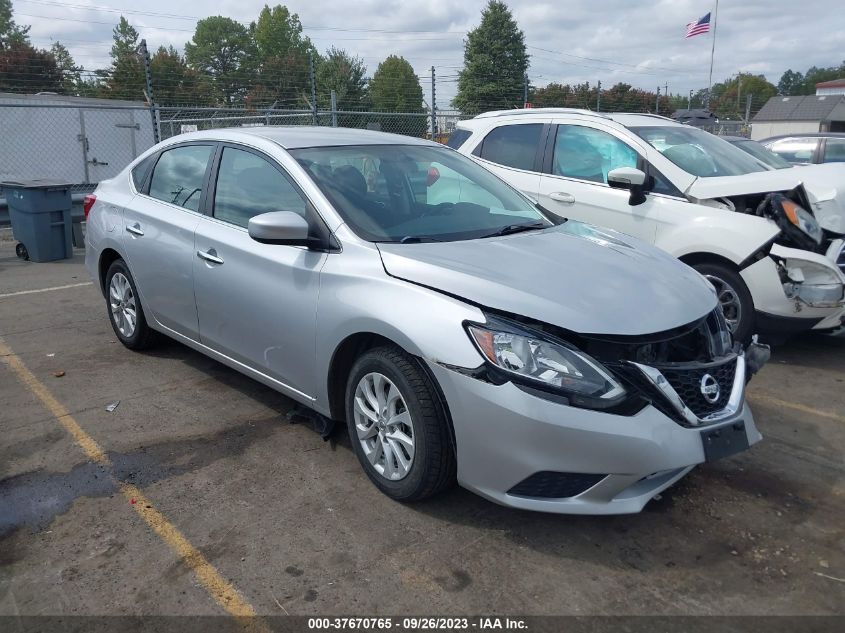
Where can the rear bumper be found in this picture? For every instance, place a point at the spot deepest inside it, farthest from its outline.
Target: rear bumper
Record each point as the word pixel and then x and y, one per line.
pixel 505 435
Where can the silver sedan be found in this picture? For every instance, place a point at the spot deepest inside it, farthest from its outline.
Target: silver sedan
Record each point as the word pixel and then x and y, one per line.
pixel 461 332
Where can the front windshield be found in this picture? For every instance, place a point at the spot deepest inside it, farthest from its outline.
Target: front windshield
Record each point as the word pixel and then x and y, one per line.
pixel 698 152
pixel 765 156
pixel 395 193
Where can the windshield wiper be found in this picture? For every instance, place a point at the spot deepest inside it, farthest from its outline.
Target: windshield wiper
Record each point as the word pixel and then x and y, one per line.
pixel 517 228
pixel 416 239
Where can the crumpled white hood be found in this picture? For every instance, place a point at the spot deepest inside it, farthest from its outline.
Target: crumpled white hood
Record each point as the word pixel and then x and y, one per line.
pixel 758 182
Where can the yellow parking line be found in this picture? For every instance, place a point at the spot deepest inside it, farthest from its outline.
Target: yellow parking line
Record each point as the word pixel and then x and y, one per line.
pixel 762 397
pixel 223 593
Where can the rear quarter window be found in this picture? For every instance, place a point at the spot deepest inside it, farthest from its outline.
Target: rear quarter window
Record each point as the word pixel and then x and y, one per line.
pixel 458 138
pixel 140 172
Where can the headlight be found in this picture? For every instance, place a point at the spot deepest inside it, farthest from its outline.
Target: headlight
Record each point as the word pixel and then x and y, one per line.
pixel 802 219
pixel 532 358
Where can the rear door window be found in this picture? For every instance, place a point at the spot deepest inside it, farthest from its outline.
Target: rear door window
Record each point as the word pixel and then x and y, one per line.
pixel 798 151
pixel 513 145
pixel 179 175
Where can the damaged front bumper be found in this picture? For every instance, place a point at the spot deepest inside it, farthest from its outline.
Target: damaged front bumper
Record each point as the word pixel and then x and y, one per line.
pixel 796 290
pixel 524 450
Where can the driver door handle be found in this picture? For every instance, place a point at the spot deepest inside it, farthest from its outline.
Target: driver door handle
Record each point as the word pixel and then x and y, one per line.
pixel 562 196
pixel 210 256
pixel 135 229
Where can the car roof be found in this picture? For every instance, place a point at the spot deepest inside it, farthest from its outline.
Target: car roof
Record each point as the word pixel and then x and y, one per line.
pixel 623 118
pixel 302 136
pixel 805 135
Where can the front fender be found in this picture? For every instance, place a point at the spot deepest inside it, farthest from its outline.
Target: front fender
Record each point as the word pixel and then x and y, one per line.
pixel 736 237
pixel 358 296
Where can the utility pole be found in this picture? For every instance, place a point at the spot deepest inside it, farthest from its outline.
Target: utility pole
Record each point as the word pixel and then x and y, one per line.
pixel 657 102
pixel 334 109
pixel 598 97
pixel 313 87
pixel 747 109
pixel 433 106
pixel 738 90
pixel 525 91
pixel 148 78
pixel 689 101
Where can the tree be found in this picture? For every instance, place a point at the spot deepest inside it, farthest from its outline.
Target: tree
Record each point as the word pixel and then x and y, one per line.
pixel 495 63
pixel 815 75
pixel 343 73
pixel 28 70
pixel 10 33
pixel 219 48
pixel 278 32
pixel 280 60
pixel 395 87
pixel 71 73
pixel 728 98
pixel 790 83
pixel 174 83
pixel 126 75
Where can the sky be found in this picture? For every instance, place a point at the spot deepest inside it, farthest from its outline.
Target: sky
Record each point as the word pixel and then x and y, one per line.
pixel 639 42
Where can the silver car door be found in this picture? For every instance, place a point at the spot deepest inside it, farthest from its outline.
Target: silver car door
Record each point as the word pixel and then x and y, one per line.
pixel 256 302
pixel 158 235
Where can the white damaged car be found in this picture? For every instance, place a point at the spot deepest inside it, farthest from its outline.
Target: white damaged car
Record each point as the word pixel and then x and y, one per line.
pixel 749 230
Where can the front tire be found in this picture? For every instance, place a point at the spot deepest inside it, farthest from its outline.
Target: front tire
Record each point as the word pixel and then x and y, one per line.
pixel 734 297
pixel 126 314
pixel 398 426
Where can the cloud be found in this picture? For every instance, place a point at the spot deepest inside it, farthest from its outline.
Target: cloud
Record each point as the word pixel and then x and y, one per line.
pixel 640 43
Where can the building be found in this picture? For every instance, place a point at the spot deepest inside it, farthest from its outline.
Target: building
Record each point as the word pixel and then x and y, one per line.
pixel 835 87
pixel 77 140
pixel 800 115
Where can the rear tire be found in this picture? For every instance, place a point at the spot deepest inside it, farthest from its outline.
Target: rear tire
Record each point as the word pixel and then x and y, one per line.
pixel 734 297
pixel 21 252
pixel 126 314
pixel 397 402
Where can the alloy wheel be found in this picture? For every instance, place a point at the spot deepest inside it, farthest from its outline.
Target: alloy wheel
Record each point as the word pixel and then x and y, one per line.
pixel 729 300
pixel 384 426
pixel 122 304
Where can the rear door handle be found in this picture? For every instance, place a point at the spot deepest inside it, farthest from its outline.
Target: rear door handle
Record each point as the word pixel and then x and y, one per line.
pixel 135 229
pixel 210 256
pixel 562 196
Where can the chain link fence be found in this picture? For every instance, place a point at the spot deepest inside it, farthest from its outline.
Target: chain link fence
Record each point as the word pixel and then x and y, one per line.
pixel 84 141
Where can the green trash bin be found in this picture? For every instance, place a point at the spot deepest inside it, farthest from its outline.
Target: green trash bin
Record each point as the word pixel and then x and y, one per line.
pixel 40 212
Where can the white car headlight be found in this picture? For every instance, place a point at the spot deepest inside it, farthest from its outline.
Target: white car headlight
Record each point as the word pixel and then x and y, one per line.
pixel 802 219
pixel 530 357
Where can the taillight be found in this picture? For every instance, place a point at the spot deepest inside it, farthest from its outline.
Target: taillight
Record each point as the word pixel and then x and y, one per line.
pixel 89 201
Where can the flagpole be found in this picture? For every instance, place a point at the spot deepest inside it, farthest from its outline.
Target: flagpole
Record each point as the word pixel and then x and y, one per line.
pixel 712 53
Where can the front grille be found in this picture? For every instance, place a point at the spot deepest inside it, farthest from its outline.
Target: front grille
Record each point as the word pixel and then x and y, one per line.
pixel 687 381
pixel 548 484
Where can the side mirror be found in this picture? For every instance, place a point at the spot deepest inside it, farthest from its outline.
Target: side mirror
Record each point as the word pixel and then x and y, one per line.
pixel 280 227
pixel 632 179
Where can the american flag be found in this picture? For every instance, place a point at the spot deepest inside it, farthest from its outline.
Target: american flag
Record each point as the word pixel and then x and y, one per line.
pixel 699 27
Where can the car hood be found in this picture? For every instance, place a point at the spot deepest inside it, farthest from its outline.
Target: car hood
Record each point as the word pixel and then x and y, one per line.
pixel 758 182
pixel 575 276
